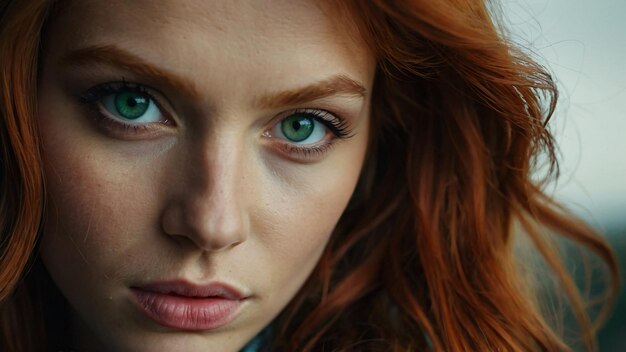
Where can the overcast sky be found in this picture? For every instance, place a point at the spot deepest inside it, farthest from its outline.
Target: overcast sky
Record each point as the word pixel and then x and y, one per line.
pixel 583 43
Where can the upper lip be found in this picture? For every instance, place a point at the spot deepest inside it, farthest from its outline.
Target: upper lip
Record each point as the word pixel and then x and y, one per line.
pixel 188 289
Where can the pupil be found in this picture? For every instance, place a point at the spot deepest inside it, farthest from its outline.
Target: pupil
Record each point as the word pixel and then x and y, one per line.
pixel 297 127
pixel 131 105
pixel 131 102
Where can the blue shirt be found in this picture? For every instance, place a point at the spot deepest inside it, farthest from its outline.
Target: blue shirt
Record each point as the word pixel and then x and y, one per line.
pixel 259 341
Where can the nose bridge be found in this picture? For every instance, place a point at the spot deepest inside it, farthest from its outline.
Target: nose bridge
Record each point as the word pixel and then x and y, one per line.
pixel 212 210
pixel 216 170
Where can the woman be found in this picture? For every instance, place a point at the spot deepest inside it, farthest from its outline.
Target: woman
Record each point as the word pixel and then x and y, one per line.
pixel 323 176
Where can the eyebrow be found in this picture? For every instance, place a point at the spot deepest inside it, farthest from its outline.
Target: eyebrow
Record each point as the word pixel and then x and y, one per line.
pixel 336 85
pixel 117 57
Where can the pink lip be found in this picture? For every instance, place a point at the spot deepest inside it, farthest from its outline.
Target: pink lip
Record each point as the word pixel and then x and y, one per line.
pixel 185 306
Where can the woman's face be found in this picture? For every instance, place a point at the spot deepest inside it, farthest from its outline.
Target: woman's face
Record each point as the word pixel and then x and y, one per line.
pixel 198 155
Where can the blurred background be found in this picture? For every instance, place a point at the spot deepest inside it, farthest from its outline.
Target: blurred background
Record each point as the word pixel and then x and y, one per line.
pixel 583 43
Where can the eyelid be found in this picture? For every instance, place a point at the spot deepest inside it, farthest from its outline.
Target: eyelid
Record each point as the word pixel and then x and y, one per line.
pixel 95 94
pixel 338 125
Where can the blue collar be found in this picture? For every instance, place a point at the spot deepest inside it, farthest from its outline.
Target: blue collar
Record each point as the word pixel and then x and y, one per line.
pixel 259 341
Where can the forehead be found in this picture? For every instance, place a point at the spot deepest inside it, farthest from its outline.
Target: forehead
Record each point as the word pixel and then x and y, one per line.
pixel 258 39
pixel 254 19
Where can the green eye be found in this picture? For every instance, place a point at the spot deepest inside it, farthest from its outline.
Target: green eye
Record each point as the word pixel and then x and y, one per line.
pixel 297 127
pixel 131 105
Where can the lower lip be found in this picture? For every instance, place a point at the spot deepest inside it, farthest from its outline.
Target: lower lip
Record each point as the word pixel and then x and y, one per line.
pixel 185 313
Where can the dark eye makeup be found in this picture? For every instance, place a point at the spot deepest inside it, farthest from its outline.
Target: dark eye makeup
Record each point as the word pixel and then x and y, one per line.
pixel 131 111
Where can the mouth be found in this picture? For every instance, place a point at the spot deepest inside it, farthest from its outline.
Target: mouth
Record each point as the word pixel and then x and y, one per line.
pixel 184 306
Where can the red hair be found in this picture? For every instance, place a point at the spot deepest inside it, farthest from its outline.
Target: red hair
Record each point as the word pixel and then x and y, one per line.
pixel 21 177
pixel 426 254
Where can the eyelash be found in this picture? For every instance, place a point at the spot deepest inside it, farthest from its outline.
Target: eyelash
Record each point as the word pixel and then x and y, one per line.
pixel 92 97
pixel 336 125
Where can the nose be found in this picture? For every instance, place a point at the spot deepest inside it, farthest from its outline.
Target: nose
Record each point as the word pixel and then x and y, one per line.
pixel 209 208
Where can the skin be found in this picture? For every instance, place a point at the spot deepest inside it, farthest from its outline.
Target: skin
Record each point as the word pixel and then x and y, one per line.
pixel 215 194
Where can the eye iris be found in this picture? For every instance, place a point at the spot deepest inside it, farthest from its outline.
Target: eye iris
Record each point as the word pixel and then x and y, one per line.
pixel 131 105
pixel 297 127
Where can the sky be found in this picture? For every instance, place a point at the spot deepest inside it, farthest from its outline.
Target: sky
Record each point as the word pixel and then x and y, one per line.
pixel 583 44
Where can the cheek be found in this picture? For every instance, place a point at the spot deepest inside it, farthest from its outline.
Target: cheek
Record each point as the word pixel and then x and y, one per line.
pixel 303 208
pixel 80 204
pixel 93 213
pixel 305 216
